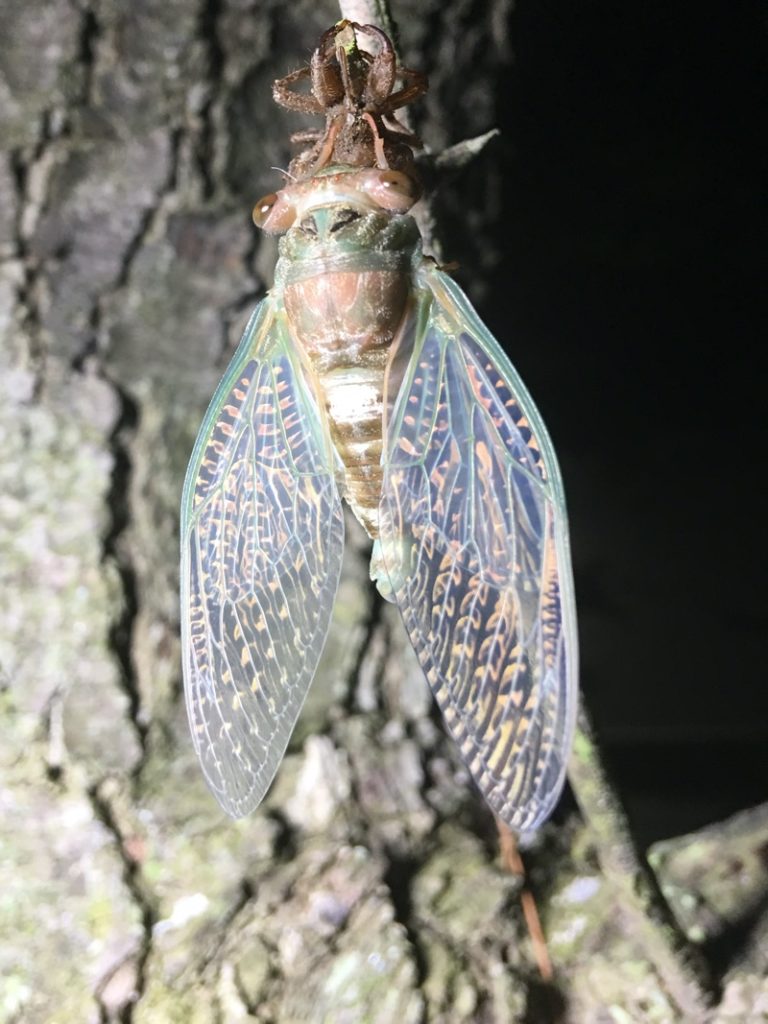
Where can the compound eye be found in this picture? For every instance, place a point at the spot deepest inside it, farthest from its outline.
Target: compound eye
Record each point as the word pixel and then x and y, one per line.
pixel 274 213
pixel 393 190
pixel 263 208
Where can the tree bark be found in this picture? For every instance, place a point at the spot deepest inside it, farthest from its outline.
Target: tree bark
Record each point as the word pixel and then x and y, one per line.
pixel 135 139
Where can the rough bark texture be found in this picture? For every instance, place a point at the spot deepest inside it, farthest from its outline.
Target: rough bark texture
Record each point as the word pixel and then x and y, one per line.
pixel 135 138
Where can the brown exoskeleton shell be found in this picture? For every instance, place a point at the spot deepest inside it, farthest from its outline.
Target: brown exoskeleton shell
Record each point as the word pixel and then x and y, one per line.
pixel 355 91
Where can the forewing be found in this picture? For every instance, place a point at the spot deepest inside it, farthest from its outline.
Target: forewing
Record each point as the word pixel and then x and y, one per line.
pixel 474 540
pixel 262 539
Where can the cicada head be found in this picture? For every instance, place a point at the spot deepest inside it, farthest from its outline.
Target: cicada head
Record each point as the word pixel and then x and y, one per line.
pixel 337 187
pixel 340 213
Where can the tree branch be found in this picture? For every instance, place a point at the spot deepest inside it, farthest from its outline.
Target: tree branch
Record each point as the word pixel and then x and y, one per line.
pixel 678 963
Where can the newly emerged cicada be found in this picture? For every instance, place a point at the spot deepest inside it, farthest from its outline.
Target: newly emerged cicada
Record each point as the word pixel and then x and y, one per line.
pixel 365 373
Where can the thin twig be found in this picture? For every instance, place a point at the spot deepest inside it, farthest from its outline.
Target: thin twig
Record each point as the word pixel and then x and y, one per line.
pixel 370 12
pixel 513 862
pixel 460 154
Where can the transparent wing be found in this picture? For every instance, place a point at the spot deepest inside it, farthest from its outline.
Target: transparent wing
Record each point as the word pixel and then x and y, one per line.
pixel 474 540
pixel 262 538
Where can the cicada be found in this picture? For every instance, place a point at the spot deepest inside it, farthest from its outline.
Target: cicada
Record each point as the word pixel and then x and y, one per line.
pixel 366 374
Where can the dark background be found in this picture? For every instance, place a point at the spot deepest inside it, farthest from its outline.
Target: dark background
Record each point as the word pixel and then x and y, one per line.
pixel 631 297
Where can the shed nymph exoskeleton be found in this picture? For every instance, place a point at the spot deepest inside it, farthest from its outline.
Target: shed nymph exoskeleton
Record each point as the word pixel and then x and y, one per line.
pixel 366 374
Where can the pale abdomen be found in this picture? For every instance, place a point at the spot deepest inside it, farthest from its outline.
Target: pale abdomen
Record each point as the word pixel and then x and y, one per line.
pixel 346 323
